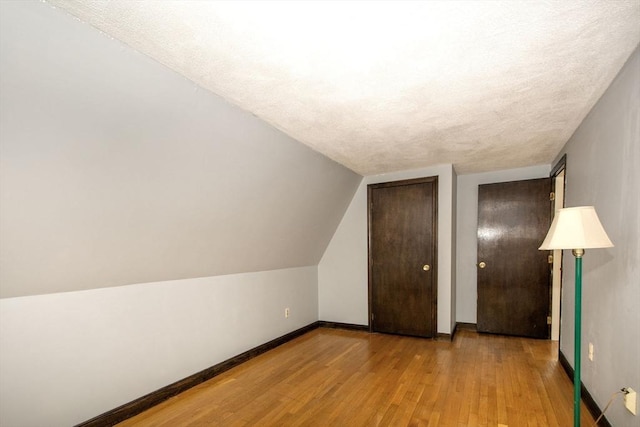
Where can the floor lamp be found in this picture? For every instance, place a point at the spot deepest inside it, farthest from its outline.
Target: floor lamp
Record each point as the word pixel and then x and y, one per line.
pixel 576 229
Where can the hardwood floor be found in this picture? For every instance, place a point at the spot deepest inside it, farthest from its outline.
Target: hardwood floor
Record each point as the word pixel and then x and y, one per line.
pixel 332 377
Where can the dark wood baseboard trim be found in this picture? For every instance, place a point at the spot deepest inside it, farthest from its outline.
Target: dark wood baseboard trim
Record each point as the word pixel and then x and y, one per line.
pixel 338 325
pixel 443 337
pixel 588 400
pixel 467 326
pixel 453 333
pixel 143 403
pixel 450 337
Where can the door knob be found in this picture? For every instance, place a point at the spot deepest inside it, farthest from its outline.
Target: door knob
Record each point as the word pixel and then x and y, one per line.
pixel 426 267
pixel 482 264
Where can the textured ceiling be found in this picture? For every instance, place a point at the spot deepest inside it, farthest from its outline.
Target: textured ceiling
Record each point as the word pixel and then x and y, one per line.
pixel 387 86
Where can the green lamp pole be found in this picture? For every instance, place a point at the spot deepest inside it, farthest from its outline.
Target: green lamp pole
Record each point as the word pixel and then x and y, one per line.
pixel 573 228
pixel 577 384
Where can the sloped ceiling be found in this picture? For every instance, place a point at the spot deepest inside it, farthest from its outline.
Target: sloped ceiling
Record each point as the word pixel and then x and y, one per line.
pixel 115 170
pixel 387 86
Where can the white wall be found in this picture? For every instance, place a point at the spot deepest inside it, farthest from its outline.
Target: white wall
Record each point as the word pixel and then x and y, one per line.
pixel 603 170
pixel 67 357
pixel 343 271
pixel 467 227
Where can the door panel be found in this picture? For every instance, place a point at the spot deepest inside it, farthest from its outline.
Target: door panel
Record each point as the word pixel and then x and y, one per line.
pixel 402 237
pixel 513 275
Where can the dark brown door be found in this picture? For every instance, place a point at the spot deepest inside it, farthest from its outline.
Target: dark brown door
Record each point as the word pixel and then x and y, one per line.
pixel 402 256
pixel 514 277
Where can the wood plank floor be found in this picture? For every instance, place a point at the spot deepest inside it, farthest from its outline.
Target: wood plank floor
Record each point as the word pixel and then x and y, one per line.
pixel 331 377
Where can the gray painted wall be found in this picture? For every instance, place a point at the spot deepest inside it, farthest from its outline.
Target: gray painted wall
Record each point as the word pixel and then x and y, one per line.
pixel 70 356
pixel 603 170
pixel 115 170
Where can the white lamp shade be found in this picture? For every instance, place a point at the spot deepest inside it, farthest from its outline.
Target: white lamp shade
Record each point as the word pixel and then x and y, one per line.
pixel 576 228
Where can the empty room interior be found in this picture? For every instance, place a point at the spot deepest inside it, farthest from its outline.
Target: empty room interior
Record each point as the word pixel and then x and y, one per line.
pixel 323 213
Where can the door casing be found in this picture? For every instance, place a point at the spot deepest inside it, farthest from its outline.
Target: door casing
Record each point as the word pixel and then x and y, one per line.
pixel 558 175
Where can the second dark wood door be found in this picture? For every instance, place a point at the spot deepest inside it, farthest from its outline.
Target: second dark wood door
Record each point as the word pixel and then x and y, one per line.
pixel 514 277
pixel 402 257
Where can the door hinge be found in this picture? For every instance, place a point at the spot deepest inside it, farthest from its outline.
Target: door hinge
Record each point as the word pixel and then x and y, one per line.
pixel 552 196
pixel 372 316
pixel 550 259
pixel 548 320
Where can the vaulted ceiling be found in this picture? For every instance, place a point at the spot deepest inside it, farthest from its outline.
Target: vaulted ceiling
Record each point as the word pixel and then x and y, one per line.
pixel 386 86
pixel 137 157
pixel 115 170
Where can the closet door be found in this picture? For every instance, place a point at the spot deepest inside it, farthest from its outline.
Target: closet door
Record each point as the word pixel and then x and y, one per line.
pixel 402 257
pixel 514 277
